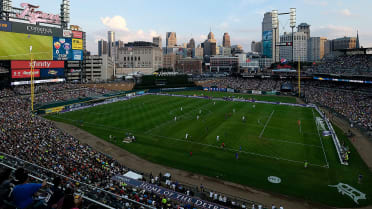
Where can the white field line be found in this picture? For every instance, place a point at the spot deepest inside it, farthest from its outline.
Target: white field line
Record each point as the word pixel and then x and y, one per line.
pixel 320 138
pixel 198 143
pixel 289 142
pixel 267 122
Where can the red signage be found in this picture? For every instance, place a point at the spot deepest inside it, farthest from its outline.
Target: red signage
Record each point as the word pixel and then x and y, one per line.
pixel 77 34
pixel 37 64
pixel 26 73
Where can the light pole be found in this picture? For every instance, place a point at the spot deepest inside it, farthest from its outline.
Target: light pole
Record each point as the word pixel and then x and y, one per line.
pixel 274 22
pixel 292 19
pixel 32 80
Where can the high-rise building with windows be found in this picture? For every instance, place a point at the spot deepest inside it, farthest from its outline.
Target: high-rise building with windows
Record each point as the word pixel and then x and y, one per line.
pixel 157 41
pixel 299 46
pixel 171 39
pixel 102 47
pixel 316 48
pixel 270 37
pixel 191 44
pixel 226 40
pixel 111 42
pixel 304 27
pixel 210 45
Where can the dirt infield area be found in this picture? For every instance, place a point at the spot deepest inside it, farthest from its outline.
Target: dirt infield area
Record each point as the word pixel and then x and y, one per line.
pixel 363 145
pixel 122 86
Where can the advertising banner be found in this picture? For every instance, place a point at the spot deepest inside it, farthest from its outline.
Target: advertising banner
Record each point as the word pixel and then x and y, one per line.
pixel 16 46
pixel 5 26
pixel 67 33
pixel 48 73
pixel 37 64
pixel 77 55
pixel 54 109
pixel 36 29
pixel 62 48
pixel 77 44
pixel 167 193
pixel 256 92
pixel 77 34
pixel 267 38
pixel 16 83
pixel 25 73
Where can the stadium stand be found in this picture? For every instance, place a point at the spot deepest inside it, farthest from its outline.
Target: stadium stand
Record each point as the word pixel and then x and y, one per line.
pixel 345 65
pixel 35 144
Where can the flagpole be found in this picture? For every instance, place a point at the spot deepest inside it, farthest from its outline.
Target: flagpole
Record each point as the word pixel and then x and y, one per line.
pixel 32 81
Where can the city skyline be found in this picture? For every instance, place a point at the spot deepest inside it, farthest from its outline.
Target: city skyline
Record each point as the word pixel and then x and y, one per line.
pixel 193 19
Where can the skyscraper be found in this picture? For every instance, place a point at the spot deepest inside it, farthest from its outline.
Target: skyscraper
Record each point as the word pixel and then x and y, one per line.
pixel 270 37
pixel 157 41
pixel 357 41
pixel 304 27
pixel 191 44
pixel 210 45
pixel 171 39
pixel 111 40
pixel 226 40
pixel 102 47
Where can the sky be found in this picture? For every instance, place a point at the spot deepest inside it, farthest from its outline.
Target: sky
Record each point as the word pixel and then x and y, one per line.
pixel 140 20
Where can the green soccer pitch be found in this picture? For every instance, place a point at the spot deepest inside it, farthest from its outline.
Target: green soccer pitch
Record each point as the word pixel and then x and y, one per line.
pixel 270 142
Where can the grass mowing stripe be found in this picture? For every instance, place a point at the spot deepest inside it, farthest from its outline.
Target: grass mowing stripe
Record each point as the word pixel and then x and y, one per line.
pixel 267 122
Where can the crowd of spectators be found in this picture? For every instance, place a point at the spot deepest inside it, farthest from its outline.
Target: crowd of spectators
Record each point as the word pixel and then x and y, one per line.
pixel 356 106
pixel 39 141
pixel 243 84
pixel 345 65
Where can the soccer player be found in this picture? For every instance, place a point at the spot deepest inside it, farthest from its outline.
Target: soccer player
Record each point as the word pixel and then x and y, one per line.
pixel 223 145
pixel 243 118
pixel 197 117
pixel 218 138
pixel 181 108
pixel 306 164
pixel 187 136
pixel 175 118
pixel 236 155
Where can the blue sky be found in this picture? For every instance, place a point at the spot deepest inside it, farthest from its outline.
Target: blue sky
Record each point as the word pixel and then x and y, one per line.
pixel 142 19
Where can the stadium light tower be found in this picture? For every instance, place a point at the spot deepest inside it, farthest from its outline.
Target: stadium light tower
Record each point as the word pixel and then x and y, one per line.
pixel 65 13
pixel 274 22
pixel 292 23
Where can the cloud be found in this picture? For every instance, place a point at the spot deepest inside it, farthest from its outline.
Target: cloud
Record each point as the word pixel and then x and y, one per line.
pixel 334 31
pixel 345 12
pixel 115 23
pixel 316 2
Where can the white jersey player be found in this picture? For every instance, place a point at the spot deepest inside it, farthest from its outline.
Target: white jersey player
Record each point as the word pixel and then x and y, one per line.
pixel 218 138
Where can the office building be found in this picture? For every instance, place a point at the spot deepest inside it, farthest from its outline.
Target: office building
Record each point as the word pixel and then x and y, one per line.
pixel 304 27
pixel 236 49
pixel 139 56
pixel 102 47
pixel 224 64
pixel 169 61
pixel 198 52
pixel 344 43
pixel 224 51
pixel 157 41
pixel 270 37
pixel 111 40
pixel 299 46
pixel 191 44
pixel 171 39
pixel 189 65
pixel 226 40
pixel 210 45
pixel 316 48
pixel 256 47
